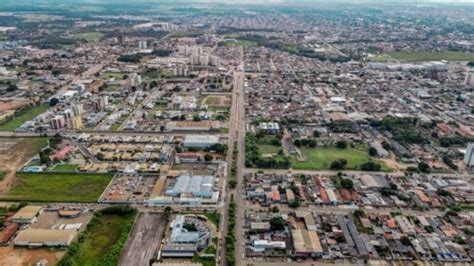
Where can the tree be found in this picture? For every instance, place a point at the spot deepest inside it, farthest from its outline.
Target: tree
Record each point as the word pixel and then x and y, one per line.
pixel 370 166
pixel 423 167
pixel 341 144
pixel 44 158
pixel 294 204
pixel 347 183
pixel 443 192
pixel 316 134
pixel 277 223
pixel 339 164
pixel 53 101
pixel 372 151
pixel 208 157
pixel 100 156
pixel 405 240
pixel 12 87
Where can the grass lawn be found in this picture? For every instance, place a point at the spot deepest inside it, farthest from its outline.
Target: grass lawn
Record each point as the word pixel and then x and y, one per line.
pixel 91 37
pixel 268 149
pixel 102 242
pixel 51 187
pixel 22 118
pixel 244 43
pixel 66 167
pixel 321 158
pixel 425 56
pixel 206 261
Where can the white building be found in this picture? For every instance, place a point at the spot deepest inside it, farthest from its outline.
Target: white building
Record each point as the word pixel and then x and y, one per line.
pixel 469 156
pixel 142 45
pixel 200 141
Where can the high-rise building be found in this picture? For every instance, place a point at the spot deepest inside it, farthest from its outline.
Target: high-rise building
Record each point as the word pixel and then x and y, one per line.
pixel 58 122
pixel 78 109
pixel 101 103
pixel 469 78
pixel 214 61
pixel 135 79
pixel 76 123
pixel 469 156
pixel 68 114
pixel 142 45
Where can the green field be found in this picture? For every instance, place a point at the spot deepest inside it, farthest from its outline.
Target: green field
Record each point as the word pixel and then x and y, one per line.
pixel 51 187
pixel 91 37
pixel 66 167
pixel 268 149
pixel 206 261
pixel 17 121
pixel 321 158
pixel 244 43
pixel 424 56
pixel 115 75
pixel 103 241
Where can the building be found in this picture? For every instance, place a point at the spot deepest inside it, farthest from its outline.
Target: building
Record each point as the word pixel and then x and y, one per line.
pixel 469 156
pixel 142 45
pixel 58 122
pixel 76 123
pixel 200 141
pixel 469 78
pixel 135 79
pixel 197 186
pixel 306 243
pixel 78 109
pixel 185 243
pixel 270 127
pixel 27 214
pixel 44 237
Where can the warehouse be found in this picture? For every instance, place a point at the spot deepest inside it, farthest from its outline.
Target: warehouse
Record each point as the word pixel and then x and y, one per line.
pixel 44 237
pixel 27 215
pixel 198 186
pixel 200 141
pixel 306 243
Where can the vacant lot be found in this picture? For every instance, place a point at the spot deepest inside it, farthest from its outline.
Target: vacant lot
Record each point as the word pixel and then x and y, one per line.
pixel 14 152
pixel 144 239
pixel 321 158
pixel 10 255
pixel 217 101
pixel 22 118
pixel 50 187
pixel 103 240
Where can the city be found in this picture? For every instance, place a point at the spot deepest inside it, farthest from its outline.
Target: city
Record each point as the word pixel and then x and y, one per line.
pixel 236 133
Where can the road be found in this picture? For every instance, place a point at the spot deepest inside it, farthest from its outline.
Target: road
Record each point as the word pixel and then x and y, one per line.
pixel 144 239
pixel 236 134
